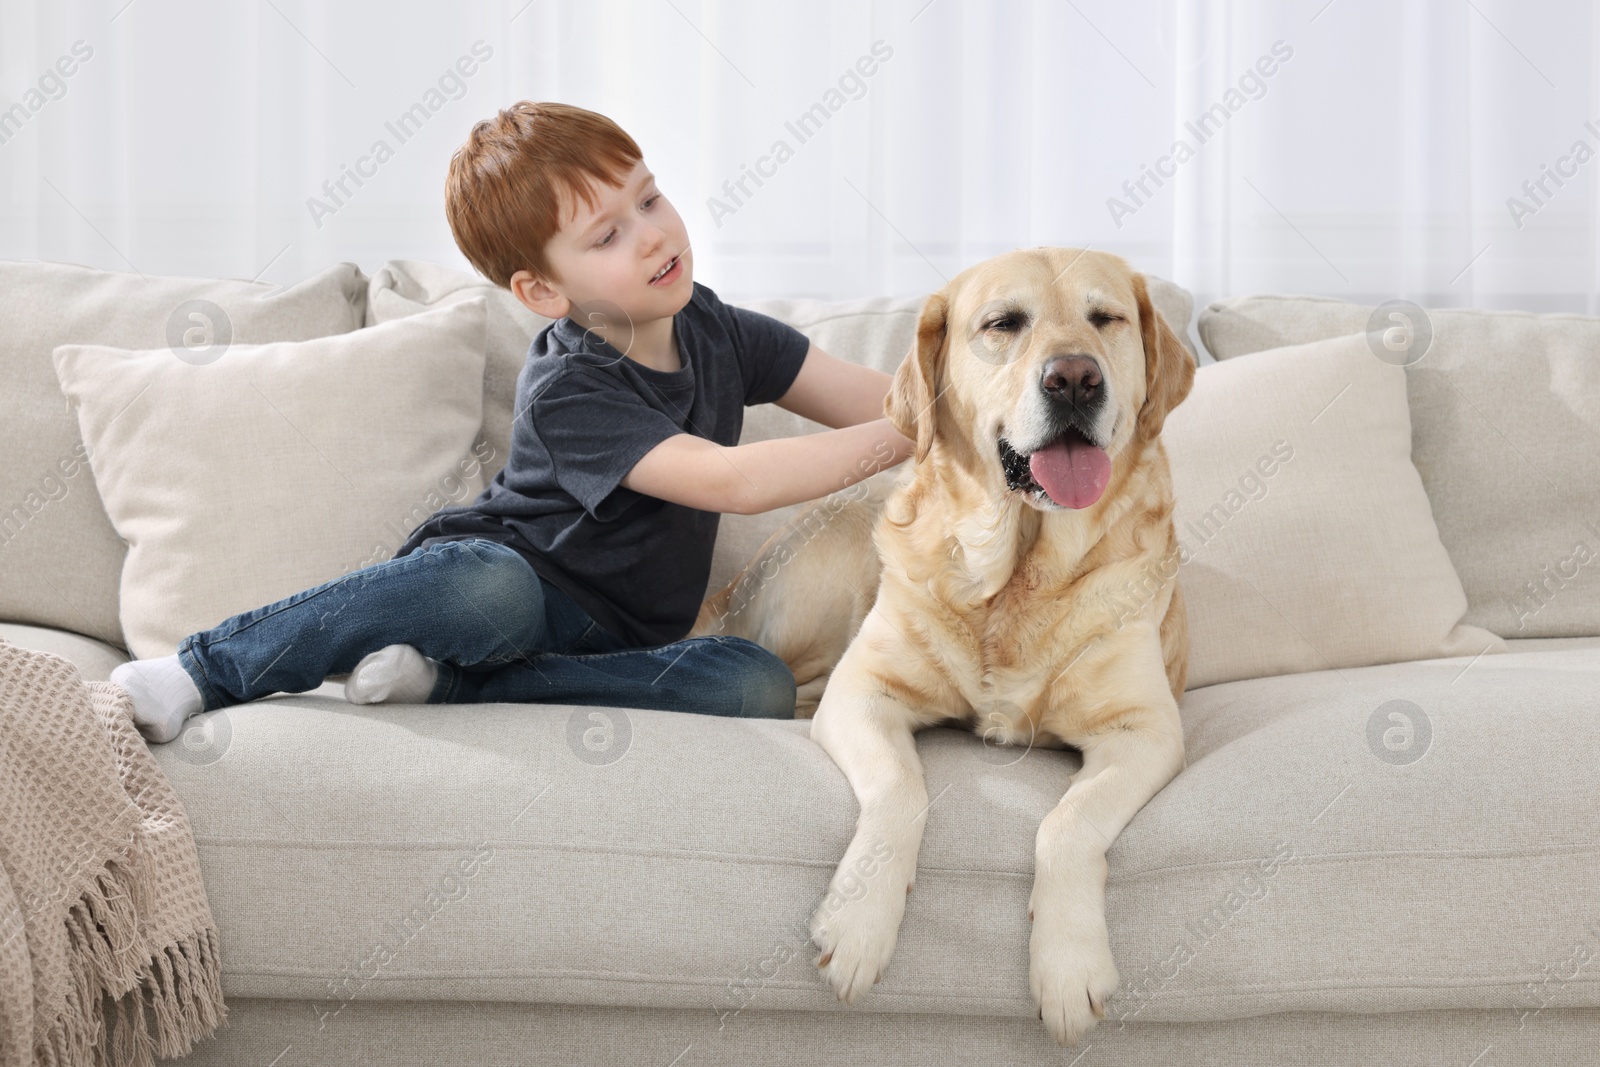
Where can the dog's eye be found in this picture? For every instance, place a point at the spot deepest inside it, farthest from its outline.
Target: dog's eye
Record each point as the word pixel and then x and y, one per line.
pixel 1099 318
pixel 1006 323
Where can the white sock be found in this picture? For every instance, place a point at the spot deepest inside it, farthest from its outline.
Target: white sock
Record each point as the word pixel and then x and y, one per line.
pixel 163 695
pixel 395 674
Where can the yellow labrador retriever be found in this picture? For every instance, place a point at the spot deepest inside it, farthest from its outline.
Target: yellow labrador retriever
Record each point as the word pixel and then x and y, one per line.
pixel 1019 577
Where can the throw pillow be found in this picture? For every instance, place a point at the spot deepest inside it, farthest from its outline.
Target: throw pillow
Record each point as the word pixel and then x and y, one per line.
pixel 1505 432
pixel 1307 540
pixel 405 287
pixel 278 466
pixel 60 557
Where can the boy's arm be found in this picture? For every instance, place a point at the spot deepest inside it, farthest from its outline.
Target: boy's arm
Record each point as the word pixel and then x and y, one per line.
pixel 763 475
pixel 835 392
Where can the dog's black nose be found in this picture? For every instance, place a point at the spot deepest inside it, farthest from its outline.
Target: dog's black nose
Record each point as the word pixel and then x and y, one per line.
pixel 1073 380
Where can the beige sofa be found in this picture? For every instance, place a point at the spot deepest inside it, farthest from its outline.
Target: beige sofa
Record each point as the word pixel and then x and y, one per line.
pixel 479 884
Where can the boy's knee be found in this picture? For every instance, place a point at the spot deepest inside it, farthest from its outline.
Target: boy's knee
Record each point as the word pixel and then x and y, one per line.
pixel 498 586
pixel 766 687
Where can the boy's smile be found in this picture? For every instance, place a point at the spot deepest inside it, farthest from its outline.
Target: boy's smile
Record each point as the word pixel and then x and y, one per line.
pixel 670 273
pixel 623 266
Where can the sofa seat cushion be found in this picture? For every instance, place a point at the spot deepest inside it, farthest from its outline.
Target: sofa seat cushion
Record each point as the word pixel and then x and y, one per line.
pixel 531 853
pixel 95 660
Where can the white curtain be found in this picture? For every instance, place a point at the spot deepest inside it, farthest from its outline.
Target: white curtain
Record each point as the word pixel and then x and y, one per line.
pixel 1443 152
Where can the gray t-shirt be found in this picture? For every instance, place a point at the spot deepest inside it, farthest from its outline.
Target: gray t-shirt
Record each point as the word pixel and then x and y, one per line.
pixel 585 414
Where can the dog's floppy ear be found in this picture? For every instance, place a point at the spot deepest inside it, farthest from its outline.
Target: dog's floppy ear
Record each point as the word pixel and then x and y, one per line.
pixel 909 406
pixel 1168 367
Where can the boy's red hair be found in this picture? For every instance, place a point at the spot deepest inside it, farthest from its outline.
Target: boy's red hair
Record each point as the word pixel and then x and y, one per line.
pixel 518 173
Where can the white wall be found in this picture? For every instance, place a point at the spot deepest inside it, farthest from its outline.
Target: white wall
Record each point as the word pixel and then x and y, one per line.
pixel 1376 161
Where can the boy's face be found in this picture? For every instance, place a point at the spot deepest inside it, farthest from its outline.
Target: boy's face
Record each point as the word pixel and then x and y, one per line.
pixel 605 259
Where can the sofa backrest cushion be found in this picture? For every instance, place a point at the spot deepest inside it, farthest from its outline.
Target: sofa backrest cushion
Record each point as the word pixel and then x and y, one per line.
pixel 1505 433
pixel 60 558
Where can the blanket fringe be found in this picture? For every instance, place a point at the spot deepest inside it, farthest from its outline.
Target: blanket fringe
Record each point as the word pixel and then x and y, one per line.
pixel 180 986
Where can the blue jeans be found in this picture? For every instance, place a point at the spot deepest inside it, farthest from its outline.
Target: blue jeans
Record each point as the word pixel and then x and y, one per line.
pixel 499 631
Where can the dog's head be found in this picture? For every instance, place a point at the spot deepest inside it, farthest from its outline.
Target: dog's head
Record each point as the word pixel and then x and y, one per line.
pixel 1043 367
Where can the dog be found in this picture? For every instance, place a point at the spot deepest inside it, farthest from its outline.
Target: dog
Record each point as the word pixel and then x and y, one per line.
pixel 1018 578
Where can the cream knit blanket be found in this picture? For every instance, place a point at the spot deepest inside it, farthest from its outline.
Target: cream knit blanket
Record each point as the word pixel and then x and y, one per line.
pixel 103 916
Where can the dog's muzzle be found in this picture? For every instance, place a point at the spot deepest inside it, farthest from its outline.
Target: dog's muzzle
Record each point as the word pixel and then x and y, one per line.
pixel 1069 467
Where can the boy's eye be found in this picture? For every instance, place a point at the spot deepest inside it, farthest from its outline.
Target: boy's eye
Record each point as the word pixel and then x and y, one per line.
pixel 605 240
pixel 652 200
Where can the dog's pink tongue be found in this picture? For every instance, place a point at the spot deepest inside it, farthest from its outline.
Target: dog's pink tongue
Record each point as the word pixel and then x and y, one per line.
pixel 1071 470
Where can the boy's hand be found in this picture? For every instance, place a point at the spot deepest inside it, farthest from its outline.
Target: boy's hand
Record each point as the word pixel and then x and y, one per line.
pixel 905 447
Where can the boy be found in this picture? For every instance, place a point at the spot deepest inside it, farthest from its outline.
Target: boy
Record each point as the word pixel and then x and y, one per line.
pixel 575 575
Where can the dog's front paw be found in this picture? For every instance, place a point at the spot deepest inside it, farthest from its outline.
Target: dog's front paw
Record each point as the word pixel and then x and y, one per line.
pixel 856 925
pixel 1071 974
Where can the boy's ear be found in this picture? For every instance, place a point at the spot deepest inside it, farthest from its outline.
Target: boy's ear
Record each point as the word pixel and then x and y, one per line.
pixel 910 404
pixel 537 295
